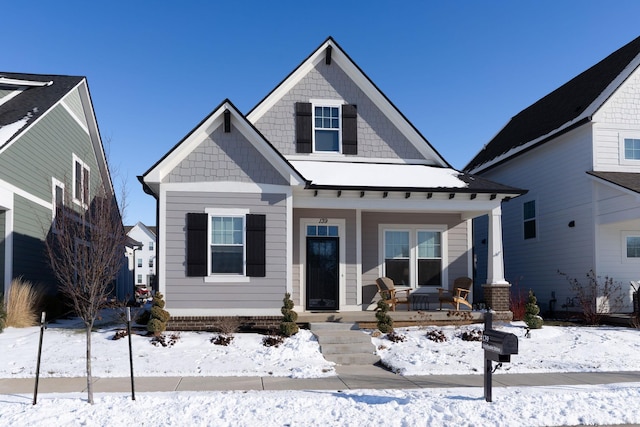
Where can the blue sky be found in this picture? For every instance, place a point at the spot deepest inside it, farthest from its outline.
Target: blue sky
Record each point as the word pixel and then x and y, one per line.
pixel 458 70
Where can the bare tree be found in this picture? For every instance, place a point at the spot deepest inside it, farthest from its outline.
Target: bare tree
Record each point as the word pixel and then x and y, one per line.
pixel 85 247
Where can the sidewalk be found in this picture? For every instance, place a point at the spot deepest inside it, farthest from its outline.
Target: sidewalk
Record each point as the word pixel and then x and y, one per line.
pixel 349 377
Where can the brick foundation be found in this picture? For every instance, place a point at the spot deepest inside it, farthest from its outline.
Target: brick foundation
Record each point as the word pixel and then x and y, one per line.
pixel 211 323
pixel 496 298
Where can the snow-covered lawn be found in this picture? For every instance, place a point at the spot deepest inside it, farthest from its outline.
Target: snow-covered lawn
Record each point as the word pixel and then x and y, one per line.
pixel 551 349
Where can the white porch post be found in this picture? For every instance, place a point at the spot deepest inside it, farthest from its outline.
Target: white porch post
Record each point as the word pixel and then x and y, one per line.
pixel 495 261
pixel 497 289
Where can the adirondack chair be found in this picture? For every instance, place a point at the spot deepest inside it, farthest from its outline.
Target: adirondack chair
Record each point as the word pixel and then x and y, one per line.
pixel 392 295
pixel 459 294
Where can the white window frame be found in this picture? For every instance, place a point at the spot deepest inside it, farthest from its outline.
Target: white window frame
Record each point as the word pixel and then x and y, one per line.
pixel 623 246
pixel 622 137
pixel 81 200
pixel 332 103
pixel 418 258
pixel 223 277
pixel 384 250
pixel 413 250
pixel 54 201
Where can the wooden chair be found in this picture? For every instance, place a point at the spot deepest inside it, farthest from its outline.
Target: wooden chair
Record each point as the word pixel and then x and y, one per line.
pixel 459 294
pixel 392 295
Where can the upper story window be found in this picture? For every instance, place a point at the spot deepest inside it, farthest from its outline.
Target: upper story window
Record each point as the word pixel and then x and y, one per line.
pixel 326 129
pixel 631 149
pixel 529 219
pixel 81 180
pixel 150 246
pixel 326 126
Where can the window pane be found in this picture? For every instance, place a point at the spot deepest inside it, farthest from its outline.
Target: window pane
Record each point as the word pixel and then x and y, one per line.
pixel 632 149
pixel 633 247
pixel 327 140
pixel 429 272
pixel 227 259
pixel 429 244
pixel 333 230
pixel 530 229
pixel 529 209
pixel 311 230
pixel 322 230
pixel 78 183
pixel 396 244
pixel 398 270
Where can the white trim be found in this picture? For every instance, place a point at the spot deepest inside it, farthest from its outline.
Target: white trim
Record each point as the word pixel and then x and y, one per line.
pixel 413 230
pixel 162 243
pixel 289 246
pixel 342 229
pixel 354 159
pixel 221 277
pixel 330 103
pixel 6 203
pixel 73 115
pixel 622 136
pixel 24 194
pixel 10 96
pixel 340 59
pixel 76 200
pixel 358 265
pixel 226 187
pixel 623 242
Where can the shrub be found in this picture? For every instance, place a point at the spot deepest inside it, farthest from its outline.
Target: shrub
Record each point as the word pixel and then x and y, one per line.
pixel 472 335
pixel 436 335
pixel 597 296
pixel 517 304
pixel 23 301
pixel 288 326
pixel 395 337
pixel 385 322
pixel 272 341
pixel 531 317
pixel 159 316
pixel 221 339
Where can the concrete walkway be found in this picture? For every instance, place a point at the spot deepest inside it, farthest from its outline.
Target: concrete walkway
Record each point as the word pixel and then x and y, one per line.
pixel 349 377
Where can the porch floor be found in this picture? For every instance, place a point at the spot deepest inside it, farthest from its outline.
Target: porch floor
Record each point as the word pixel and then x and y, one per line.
pixel 367 319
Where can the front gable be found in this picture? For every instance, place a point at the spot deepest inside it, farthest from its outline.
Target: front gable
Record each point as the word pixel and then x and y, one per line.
pixel 329 78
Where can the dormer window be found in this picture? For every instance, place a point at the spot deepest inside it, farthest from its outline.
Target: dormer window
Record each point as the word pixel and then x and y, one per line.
pixel 326 126
pixel 326 129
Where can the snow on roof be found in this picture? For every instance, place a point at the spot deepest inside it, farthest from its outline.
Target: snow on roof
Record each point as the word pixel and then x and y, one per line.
pixel 9 130
pixel 378 175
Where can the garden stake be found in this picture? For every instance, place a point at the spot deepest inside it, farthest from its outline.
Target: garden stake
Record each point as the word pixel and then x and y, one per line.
pixel 133 392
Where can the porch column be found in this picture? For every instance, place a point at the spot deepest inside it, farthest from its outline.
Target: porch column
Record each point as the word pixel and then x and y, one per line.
pixel 496 290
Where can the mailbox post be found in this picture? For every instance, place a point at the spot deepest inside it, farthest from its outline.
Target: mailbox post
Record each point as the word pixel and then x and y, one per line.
pixel 498 347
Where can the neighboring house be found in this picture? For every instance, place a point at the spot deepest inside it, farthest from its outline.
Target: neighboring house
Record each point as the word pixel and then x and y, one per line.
pixel 51 155
pixel 142 256
pixel 320 189
pixel 577 151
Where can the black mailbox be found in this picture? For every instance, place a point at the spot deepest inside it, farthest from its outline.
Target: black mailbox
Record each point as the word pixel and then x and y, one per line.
pixel 499 346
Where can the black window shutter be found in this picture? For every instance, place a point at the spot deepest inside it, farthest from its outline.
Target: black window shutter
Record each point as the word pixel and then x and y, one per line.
pixel 349 129
pixel 256 245
pixel 304 127
pixel 197 244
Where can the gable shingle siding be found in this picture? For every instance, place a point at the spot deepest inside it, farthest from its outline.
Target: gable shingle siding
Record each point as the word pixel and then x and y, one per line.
pixel 377 137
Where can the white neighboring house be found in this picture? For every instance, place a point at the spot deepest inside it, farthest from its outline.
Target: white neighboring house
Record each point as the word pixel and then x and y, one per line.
pixel 142 260
pixel 577 151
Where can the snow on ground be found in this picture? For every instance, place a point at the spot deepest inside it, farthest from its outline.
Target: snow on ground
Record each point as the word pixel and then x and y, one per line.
pixel 551 349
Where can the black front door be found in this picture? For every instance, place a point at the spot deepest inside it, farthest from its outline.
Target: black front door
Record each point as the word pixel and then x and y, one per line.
pixel 322 273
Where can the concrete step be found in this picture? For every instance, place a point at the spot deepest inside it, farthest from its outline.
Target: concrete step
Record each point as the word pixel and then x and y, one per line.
pixel 363 347
pixel 353 359
pixel 333 326
pixel 344 344
pixel 341 337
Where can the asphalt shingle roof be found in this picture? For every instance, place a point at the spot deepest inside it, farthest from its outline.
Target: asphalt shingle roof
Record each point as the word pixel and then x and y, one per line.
pixel 34 100
pixel 558 108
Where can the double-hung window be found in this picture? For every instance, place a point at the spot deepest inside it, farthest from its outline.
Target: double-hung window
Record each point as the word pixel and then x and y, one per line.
pixel 429 258
pixel 326 128
pixel 227 244
pixel 633 246
pixel 529 219
pixel 81 181
pixel 397 256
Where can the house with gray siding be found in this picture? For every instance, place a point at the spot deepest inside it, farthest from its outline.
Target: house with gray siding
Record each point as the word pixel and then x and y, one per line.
pixel 51 155
pixel 320 189
pixel 577 151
